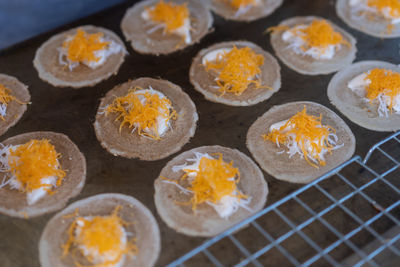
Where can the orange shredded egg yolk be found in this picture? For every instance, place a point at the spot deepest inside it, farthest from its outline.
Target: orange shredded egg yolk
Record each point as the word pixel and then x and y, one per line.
pixel 308 131
pixel 214 180
pixel 385 82
pixel 6 97
pixel 172 15
pixel 133 113
pixel 380 5
pixel 101 236
pixel 236 4
pixel 237 70
pixel 33 161
pixel 82 46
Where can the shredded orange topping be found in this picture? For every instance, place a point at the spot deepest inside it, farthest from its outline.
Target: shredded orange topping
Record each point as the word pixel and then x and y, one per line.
pixel 385 82
pixel 381 5
pixel 33 161
pixel 236 4
pixel 172 15
pixel 214 180
pixel 142 116
pixel 307 131
pixel 82 46
pixel 237 70
pixel 6 97
pixel 101 236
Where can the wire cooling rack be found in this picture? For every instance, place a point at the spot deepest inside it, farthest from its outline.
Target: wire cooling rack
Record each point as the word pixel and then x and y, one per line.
pixel 350 216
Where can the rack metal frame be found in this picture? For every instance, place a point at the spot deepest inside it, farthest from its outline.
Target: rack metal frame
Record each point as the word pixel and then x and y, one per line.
pixel 381 163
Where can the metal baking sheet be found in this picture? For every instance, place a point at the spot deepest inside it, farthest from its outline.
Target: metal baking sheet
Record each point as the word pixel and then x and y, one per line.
pixel 72 112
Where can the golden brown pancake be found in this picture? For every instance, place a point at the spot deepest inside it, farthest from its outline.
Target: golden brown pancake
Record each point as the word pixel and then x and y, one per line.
pixel 204 81
pixel 13 202
pixel 130 144
pixel 15 110
pixel 205 221
pixel 140 223
pixel 353 106
pixel 370 23
pixel 225 10
pixel 296 169
pixel 305 64
pixel 138 31
pixel 50 70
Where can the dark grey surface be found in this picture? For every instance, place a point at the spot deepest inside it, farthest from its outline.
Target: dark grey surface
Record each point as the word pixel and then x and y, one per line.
pixel 72 112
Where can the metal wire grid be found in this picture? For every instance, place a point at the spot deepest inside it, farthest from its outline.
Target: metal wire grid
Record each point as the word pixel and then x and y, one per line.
pixel 326 222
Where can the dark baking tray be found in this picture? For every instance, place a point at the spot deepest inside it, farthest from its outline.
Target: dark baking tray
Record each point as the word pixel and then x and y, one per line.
pixel 72 112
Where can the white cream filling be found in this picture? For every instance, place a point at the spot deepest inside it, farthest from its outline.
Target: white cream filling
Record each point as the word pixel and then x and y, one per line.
pixel 3 109
pixel 94 254
pixel 163 124
pixel 297 44
pixel 111 49
pixel 36 194
pixel 358 85
pixel 183 31
pixel 228 205
pixel 243 9
pixel 362 5
pixel 214 54
pixel 295 148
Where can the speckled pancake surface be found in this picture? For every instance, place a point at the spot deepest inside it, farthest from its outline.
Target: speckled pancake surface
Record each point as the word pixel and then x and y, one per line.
pixel 13 202
pixel 265 8
pixel 305 64
pixel 204 81
pixel 205 221
pixel 141 225
pixel 370 23
pixel 145 40
pixel 130 144
pixel 15 110
pixel 296 169
pixel 50 70
pixel 354 107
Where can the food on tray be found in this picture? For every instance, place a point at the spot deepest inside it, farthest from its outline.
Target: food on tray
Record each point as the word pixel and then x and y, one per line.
pixel 40 172
pixel 206 190
pixel 235 73
pixel 300 141
pixel 379 18
pixel 14 98
pixel 165 26
pixel 103 230
pixel 312 45
pixel 368 93
pixel 80 57
pixel 244 10
pixel 145 118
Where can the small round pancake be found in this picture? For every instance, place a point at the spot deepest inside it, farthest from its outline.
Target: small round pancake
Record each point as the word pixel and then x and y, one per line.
pixel 13 202
pixel 205 221
pixel 305 64
pixel 353 106
pixel 204 81
pixel 145 40
pixel 15 110
pixel 296 169
pixel 377 27
pixel 140 223
pixel 225 10
pixel 129 144
pixel 50 70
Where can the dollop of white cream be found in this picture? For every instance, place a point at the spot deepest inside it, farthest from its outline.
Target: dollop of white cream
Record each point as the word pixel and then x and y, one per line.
pixel 359 6
pixel 297 44
pixel 228 205
pixel 183 31
pixel 94 254
pixel 214 54
pixel 359 84
pixel 103 54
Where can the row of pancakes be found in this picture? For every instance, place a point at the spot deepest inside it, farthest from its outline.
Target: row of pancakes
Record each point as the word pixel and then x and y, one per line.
pixel 204 191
